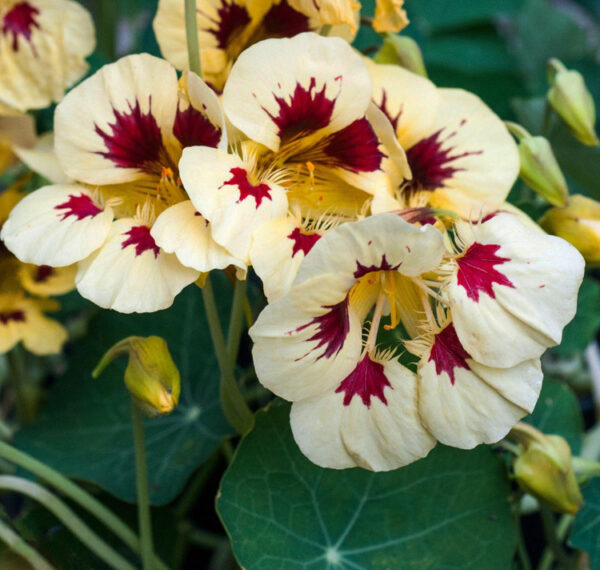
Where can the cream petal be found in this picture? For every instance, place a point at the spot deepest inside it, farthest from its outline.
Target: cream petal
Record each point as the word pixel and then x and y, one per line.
pixel 308 83
pixel 42 159
pixel 307 341
pixel 56 225
pixel 383 241
pixel 130 273
pixel 111 128
pixel 181 230
pixel 219 187
pixel 514 291
pixel 43 51
pixel 41 335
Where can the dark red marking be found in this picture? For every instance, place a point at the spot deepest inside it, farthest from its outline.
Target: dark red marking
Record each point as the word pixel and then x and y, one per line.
pixel 476 271
pixel 430 164
pixel 15 316
pixel 303 242
pixel 308 110
pixel 367 380
pixel 81 207
pixel 43 273
pixel 332 330
pixel 140 237
pixel 282 21
pixel 239 178
pixel 135 140
pixel 362 270
pixel 20 20
pixel 193 128
pixel 393 119
pixel 231 18
pixel 447 353
pixel 355 147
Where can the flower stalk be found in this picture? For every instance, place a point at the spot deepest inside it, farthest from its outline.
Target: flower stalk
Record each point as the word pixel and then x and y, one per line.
pixel 191 31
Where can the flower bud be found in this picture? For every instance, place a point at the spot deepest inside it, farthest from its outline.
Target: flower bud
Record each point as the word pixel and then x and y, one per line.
pixel 389 16
pixel 151 375
pixel 578 223
pixel 403 51
pixel 539 168
pixel 544 469
pixel 571 99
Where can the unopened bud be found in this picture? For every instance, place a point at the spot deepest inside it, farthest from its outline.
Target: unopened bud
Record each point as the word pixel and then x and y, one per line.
pixel 578 223
pixel 544 469
pixel 151 375
pixel 571 99
pixel 403 51
pixel 390 16
pixel 539 168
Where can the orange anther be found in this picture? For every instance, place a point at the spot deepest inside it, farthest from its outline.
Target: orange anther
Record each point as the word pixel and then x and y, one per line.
pixel 310 166
pixel 166 172
pixel 388 327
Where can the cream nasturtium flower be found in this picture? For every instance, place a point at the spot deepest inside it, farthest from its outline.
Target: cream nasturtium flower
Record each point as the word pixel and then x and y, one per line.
pixel 354 403
pixel 228 27
pixel 128 221
pixel 315 147
pixel 44 44
pixel 459 152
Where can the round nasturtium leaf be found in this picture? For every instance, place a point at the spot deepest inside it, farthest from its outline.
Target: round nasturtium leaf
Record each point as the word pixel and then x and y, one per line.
pixel 449 510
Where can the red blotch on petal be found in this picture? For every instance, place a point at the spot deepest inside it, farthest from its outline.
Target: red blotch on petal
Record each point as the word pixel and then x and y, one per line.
pixel 383 266
pixel 140 238
pixel 43 273
pixel 14 316
pixel 308 110
pixel 393 119
pixel 239 178
pixel 332 329
pixel 431 165
pixel 134 140
pixel 355 147
pixel 20 21
pixel 284 22
pixel 230 20
pixel 367 380
pixel 447 353
pixel 477 272
pixel 303 242
pixel 81 207
pixel 193 128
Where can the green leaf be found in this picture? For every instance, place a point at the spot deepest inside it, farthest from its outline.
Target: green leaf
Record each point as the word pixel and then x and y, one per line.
pixel 586 529
pixel 584 327
pixel 557 412
pixel 449 510
pixel 84 429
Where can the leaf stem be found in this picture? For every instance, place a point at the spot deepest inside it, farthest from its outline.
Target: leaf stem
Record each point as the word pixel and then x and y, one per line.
pixel 554 542
pixel 141 480
pixel 235 408
pixel 521 548
pixel 191 32
pixel 561 531
pixel 68 517
pixel 18 545
pixel 234 333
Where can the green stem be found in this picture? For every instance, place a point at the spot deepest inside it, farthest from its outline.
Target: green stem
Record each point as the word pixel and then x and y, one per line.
pixel 205 539
pixel 76 494
pixel 235 408
pixel 191 32
pixel 68 518
pixel 325 30
pixel 234 333
pixel 18 545
pixel 141 480
pixel 17 379
pixel 546 121
pixel 561 531
pixel 521 548
pixel 554 542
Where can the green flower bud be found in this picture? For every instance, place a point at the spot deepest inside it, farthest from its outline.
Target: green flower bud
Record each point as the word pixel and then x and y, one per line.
pixel 544 469
pixel 403 51
pixel 578 223
pixel 571 99
pixel 151 375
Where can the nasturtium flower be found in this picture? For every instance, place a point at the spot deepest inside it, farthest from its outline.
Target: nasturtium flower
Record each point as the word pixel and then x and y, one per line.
pixel 459 152
pixel 227 27
pixel 44 44
pixel 354 402
pixel 120 135
pixel 390 16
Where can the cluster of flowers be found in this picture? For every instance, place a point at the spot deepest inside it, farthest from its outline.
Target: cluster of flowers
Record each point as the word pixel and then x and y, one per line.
pixel 359 193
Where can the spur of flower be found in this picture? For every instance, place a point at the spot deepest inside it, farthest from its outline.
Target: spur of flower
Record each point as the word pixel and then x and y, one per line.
pixel 312 145
pixel 460 154
pixel 44 44
pixel 476 314
pixel 127 221
pixel 227 27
